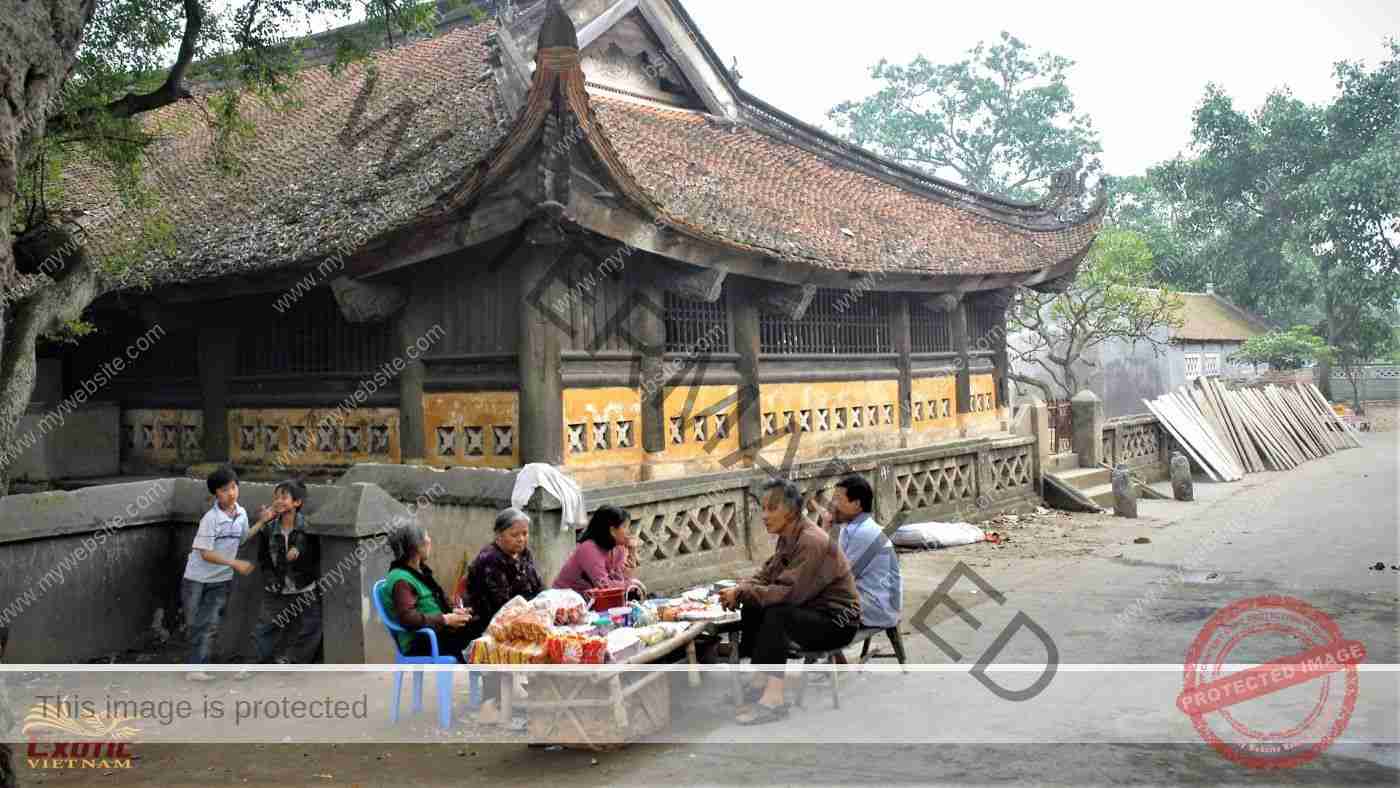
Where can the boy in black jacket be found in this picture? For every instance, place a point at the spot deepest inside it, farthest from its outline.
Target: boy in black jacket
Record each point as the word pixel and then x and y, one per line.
pixel 291 606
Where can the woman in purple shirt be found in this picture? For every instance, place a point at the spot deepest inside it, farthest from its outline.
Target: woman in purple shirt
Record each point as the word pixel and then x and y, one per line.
pixel 603 558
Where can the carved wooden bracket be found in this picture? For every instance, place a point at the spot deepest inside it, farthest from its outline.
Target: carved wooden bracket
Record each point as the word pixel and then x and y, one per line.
pixel 789 301
pixel 363 302
pixel 704 284
pixel 997 299
pixel 943 302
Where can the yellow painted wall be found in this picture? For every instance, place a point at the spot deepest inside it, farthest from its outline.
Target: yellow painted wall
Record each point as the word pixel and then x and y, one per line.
pixel 472 429
pixel 985 415
pixel 935 403
pixel 826 415
pixel 688 440
pixel 163 437
pixel 602 427
pixel 294 437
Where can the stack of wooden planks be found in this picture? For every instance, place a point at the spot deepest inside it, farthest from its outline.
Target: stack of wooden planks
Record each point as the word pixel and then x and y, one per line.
pixel 1230 433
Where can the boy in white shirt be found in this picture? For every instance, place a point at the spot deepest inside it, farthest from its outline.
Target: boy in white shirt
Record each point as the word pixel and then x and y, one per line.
pixel 212 562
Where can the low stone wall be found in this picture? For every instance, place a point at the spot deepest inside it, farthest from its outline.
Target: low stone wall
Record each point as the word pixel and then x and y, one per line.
pixel 1141 443
pixel 708 527
pixel 85 574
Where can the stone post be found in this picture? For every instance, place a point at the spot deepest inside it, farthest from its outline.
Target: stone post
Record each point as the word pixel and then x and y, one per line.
pixel 1183 487
pixel 1124 493
pixel 1087 411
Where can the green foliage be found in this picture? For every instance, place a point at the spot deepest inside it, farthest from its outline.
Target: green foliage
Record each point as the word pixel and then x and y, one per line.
pixel 71 331
pixel 1292 349
pixel 1003 119
pixel 1297 206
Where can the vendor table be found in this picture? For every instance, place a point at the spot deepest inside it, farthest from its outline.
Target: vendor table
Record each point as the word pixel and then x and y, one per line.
pixel 609 706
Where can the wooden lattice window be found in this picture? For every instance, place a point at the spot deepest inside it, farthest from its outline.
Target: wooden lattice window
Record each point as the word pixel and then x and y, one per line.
pixel 312 337
pixel 931 331
pixel 984 323
pixel 836 322
pixel 693 324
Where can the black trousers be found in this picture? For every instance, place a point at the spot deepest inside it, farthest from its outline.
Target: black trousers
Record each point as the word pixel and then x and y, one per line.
pixel 451 643
pixel 766 632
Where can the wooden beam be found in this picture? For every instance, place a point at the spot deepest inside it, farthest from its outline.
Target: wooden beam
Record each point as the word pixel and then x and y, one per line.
pixel 218 364
pixel 903 341
pixel 410 326
pixel 957 319
pixel 541 383
pixel 649 330
pixel 790 302
pixel 744 303
pixel 601 23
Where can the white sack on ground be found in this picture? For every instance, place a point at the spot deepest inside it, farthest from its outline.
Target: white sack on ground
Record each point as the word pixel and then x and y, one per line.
pixel 937 535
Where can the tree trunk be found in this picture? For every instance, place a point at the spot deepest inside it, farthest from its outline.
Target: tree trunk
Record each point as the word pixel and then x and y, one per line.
pixel 44 311
pixel 1044 387
pixel 41 41
pixel 1356 392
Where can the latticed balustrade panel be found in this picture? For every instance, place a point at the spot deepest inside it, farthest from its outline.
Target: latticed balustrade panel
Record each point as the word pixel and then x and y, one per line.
pixel 687 527
pixel 1138 443
pixel 1011 468
pixel 937 482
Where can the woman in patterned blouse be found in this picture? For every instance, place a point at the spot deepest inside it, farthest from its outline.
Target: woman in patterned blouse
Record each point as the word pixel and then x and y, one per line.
pixel 502 570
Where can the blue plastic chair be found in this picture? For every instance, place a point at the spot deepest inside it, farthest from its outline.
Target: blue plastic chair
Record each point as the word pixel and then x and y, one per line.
pixel 444 678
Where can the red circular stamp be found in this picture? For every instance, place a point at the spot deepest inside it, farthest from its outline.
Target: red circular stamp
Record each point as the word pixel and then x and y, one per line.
pixel 1292 704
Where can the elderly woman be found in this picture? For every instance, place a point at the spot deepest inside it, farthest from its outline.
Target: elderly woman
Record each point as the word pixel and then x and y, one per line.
pixel 804 594
pixel 418 602
pixel 502 570
pixel 601 559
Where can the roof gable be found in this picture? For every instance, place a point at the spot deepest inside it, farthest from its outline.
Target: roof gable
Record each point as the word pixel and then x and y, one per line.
pixel 1208 317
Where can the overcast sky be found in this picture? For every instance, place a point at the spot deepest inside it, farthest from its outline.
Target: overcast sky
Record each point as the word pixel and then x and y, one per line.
pixel 1140 67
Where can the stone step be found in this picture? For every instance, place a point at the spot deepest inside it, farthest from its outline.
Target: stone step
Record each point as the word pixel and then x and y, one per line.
pixel 1062 462
pixel 1084 478
pixel 1101 494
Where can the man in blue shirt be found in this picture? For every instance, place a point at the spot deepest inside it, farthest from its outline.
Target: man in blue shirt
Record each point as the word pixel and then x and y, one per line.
pixel 872 557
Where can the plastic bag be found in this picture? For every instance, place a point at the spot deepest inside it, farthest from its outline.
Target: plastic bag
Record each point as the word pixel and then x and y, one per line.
pixel 520 621
pixel 565 606
pixel 937 535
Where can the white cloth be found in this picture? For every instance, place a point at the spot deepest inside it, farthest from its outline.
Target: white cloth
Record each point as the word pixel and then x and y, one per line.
pixel 542 474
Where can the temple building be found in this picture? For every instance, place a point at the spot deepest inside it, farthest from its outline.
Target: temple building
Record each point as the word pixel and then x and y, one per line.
pixel 565 235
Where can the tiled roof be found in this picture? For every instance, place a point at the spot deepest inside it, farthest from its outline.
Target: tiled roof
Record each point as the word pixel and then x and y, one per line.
pixel 744 185
pixel 357 156
pixel 1208 317
pixel 343 162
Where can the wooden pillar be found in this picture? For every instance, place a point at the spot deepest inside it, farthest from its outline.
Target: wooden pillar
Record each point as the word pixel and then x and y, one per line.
pixel 903 342
pixel 957 319
pixel 744 303
pixel 409 326
pixel 649 330
pixel 218 363
pixel 541 381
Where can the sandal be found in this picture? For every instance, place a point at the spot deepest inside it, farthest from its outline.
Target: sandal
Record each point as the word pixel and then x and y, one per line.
pixel 762 715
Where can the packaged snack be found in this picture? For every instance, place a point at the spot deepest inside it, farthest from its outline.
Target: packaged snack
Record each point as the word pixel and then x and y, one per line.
pixel 565 606
pixel 651 635
pixel 520 622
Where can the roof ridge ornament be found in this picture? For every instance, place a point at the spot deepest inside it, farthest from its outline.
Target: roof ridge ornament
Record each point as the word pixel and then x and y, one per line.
pixel 558 30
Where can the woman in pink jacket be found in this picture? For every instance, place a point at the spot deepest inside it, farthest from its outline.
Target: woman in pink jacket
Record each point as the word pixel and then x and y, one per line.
pixel 604 557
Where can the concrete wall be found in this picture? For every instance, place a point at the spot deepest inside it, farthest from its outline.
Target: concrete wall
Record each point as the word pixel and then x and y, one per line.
pixel 80 444
pixel 85 574
pixel 1379 383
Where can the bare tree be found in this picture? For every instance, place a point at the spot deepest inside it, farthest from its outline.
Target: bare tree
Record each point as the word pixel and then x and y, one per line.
pixel 1110 299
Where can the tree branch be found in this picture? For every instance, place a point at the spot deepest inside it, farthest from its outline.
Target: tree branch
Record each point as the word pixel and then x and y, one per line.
pixel 174 88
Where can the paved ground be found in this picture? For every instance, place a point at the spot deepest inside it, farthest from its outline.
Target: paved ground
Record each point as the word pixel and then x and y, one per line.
pixel 1312 533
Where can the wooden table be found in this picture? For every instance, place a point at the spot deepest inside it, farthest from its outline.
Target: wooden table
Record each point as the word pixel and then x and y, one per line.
pixel 568 703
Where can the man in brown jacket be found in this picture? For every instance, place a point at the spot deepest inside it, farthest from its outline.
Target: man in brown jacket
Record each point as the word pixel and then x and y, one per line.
pixel 804 594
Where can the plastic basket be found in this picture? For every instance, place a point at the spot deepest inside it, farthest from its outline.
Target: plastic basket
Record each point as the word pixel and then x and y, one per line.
pixel 604 599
